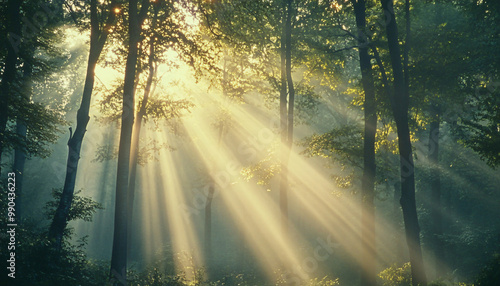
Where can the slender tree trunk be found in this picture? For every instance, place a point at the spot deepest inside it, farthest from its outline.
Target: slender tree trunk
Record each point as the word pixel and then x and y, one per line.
pixel 208 213
pixel 19 161
pixel 211 190
pixel 435 182
pixel 368 276
pixel 21 131
pixel 208 224
pixel 400 110
pixel 398 236
pixel 137 133
pixel 406 51
pixel 97 40
pixel 134 153
pixel 284 130
pixel 289 80
pixel 287 98
pixel 118 269
pixel 13 30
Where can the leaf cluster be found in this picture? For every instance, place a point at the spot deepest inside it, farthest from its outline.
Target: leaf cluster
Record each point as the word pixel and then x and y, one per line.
pixel 81 207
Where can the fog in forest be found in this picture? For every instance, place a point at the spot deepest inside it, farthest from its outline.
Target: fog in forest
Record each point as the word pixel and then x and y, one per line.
pixel 250 142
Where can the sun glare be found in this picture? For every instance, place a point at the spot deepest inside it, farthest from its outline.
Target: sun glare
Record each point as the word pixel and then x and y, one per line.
pixel 172 205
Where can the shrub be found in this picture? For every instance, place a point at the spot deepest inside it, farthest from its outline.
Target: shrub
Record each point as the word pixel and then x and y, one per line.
pixel 396 276
pixel 490 275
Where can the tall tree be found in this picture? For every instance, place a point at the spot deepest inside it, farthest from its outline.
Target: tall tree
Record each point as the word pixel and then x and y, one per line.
pixel 38 42
pixel 370 127
pixel 479 127
pixel 435 184
pixel 446 30
pixel 234 81
pixel 400 101
pixel 13 30
pixel 287 99
pixel 138 123
pixel 120 235
pixel 98 37
pixel 211 188
pixel 232 21
pixel 21 131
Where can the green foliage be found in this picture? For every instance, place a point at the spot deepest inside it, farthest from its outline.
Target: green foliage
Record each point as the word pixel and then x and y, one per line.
pixel 167 108
pixel 234 279
pixel 43 128
pixel 446 283
pixel 480 128
pixel 344 142
pixel 265 169
pixel 148 151
pixel 307 102
pixel 396 276
pixel 490 275
pixel 81 208
pixel 281 279
pixel 401 276
pixel 155 277
pixel 343 145
pixel 36 97
pixel 105 153
pixel 37 263
pixel 325 281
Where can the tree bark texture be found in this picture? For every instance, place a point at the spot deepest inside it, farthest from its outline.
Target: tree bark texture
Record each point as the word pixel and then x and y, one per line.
pixel 368 276
pixel 97 40
pixel 400 110
pixel 118 270
pixel 435 185
pixel 21 131
pixel 287 97
pixel 137 131
pixel 13 30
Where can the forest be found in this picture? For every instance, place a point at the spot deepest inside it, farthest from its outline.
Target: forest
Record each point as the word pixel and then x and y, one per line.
pixel 250 142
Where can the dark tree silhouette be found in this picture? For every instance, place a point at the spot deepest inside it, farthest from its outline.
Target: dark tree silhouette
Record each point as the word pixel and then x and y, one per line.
pixel 400 100
pixel 118 269
pixel 98 37
pixel 370 127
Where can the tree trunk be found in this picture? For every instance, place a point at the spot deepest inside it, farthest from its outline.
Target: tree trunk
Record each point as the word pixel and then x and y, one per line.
pixel 208 224
pixel 137 133
pixel 400 257
pixel 400 110
pixel 291 89
pixel 368 276
pixel 436 211
pixel 120 235
pixel 287 97
pixel 208 208
pixel 435 183
pixel 97 40
pixel 19 161
pixel 20 152
pixel 13 30
pixel 283 130
pixel 211 190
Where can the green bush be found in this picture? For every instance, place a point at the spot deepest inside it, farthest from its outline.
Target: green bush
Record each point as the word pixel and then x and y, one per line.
pixel 396 276
pixel 401 276
pixel 323 282
pixel 38 263
pixel 490 275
